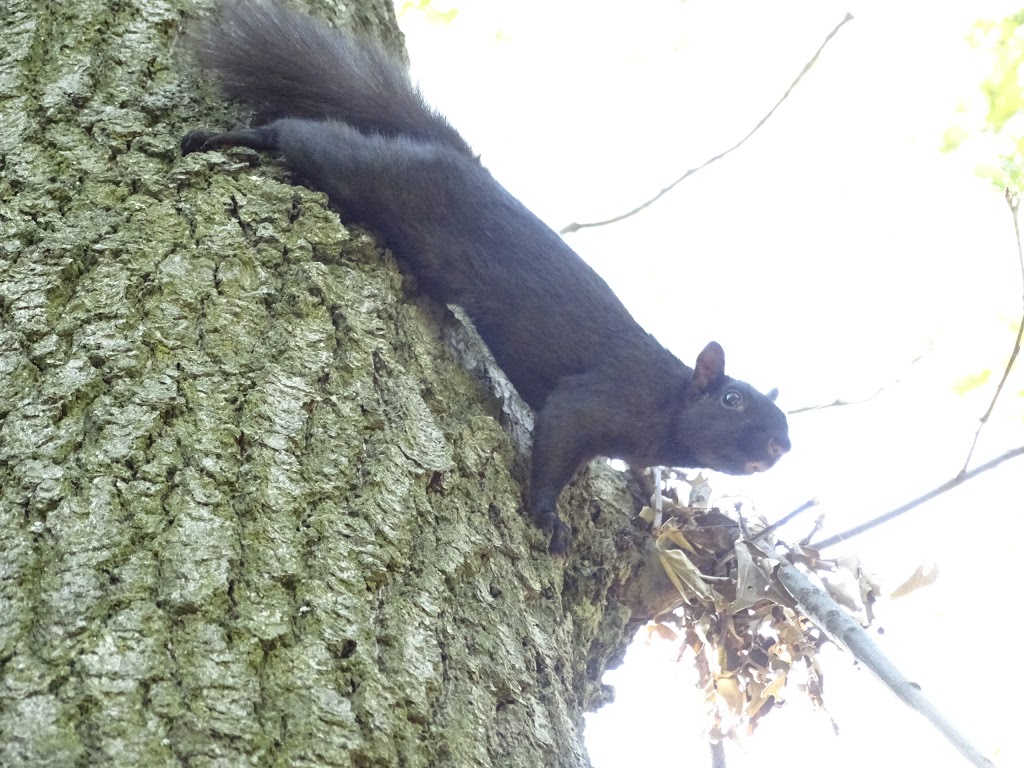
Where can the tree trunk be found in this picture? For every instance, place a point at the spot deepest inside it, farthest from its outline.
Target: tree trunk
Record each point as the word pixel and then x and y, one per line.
pixel 254 510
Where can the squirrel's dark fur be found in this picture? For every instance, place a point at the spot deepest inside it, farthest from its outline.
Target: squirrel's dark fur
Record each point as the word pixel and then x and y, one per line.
pixel 346 118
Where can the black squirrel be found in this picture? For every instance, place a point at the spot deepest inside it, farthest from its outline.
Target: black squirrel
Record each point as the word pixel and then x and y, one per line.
pixel 347 118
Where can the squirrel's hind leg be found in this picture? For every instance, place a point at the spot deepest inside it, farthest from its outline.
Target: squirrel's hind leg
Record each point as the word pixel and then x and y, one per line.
pixel 263 138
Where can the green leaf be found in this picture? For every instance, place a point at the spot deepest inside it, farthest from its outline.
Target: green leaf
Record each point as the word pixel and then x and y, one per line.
pixel 971 382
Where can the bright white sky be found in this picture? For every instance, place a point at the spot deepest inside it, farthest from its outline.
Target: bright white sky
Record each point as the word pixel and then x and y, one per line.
pixel 830 251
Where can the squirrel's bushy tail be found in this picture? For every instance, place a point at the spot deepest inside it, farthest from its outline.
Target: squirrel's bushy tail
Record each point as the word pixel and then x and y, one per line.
pixel 284 64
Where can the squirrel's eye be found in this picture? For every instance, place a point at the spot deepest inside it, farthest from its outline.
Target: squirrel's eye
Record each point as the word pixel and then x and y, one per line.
pixel 732 399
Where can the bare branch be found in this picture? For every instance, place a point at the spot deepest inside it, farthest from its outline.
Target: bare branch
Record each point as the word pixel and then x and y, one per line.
pixel 961 478
pixel 575 227
pixel 809 504
pixel 843 630
pixel 718 754
pixel 840 402
pixel 1012 200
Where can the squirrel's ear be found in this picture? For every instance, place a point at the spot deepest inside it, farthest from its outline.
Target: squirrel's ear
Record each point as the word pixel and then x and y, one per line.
pixel 773 394
pixel 710 368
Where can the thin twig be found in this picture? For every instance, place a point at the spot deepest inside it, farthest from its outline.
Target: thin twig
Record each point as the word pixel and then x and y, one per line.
pixel 1012 200
pixel 840 402
pixel 575 227
pixel 819 523
pixel 961 478
pixel 809 504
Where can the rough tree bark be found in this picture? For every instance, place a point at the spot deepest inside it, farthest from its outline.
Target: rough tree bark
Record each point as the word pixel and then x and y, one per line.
pixel 253 508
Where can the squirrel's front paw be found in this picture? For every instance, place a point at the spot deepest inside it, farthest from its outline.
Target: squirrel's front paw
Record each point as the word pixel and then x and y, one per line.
pixel 195 141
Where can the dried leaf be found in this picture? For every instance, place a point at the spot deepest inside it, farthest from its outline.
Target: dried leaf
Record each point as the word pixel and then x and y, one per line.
pixel 671 533
pixel 809 556
pixel 684 574
pixel 775 687
pixel 748 642
pixel 752 583
pixel 763 694
pixel 841 592
pixel 700 493
pixel 730 695
pixel 661 631
pixel 925 574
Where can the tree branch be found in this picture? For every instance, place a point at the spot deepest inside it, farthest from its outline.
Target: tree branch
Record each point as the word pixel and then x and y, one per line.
pixel 1012 200
pixel 575 227
pixel 844 631
pixel 840 402
pixel 809 504
pixel 961 478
